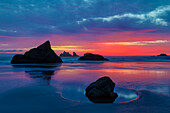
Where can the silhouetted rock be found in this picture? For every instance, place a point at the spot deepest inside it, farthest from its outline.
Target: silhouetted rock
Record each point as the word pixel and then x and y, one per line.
pixel 75 55
pixel 90 56
pixel 41 54
pixel 101 91
pixel 163 54
pixel 65 54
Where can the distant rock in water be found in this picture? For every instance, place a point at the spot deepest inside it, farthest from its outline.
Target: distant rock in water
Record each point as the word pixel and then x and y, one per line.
pixel 101 91
pixel 41 54
pixel 90 56
pixel 163 54
pixel 67 54
pixel 75 55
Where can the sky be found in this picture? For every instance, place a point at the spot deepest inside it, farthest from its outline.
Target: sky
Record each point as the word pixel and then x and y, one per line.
pixel 106 27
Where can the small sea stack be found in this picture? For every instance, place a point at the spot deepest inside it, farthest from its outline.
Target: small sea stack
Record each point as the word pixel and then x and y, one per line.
pixel 163 54
pixel 75 54
pixel 41 54
pixel 95 57
pixel 67 54
pixel 101 91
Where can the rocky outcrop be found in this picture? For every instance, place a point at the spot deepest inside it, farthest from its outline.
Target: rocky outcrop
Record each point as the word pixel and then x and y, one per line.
pixel 41 54
pixel 90 56
pixel 163 54
pixel 101 91
pixel 75 55
pixel 67 54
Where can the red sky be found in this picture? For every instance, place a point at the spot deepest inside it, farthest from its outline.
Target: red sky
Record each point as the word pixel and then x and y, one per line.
pixel 120 43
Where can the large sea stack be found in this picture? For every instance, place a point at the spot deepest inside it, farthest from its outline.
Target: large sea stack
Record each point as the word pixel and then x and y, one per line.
pixel 41 54
pixel 101 91
pixel 95 57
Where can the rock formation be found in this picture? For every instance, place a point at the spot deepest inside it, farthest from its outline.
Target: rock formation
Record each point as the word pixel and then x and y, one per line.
pixel 101 91
pixel 75 55
pixel 163 54
pixel 41 54
pixel 90 56
pixel 67 54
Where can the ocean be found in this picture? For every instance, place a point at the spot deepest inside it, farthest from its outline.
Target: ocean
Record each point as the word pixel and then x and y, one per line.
pixel 150 73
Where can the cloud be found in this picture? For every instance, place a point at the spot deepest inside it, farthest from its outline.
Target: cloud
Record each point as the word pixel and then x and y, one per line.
pixel 138 42
pixel 70 17
pixel 70 48
pixel 4 30
pixel 3 45
pixel 154 16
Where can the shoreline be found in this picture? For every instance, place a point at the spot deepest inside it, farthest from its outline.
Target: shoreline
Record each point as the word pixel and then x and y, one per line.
pixel 45 98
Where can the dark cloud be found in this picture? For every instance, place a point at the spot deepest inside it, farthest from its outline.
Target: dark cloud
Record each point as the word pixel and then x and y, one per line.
pixel 42 17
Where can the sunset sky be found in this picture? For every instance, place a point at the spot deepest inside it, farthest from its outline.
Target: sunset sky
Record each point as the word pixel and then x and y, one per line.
pixel 106 27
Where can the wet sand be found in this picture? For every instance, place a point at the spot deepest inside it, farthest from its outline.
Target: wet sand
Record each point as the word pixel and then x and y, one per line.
pixel 45 99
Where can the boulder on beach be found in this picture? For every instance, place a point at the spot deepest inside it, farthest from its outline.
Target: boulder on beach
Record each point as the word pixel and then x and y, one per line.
pixel 41 54
pixel 163 54
pixel 101 91
pixel 90 56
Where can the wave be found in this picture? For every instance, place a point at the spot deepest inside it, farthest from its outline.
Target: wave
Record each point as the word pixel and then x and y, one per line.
pixel 6 59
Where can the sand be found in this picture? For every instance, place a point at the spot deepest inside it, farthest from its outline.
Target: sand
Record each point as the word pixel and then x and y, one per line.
pixel 45 99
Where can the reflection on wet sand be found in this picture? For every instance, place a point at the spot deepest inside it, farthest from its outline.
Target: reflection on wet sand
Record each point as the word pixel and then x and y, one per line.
pixel 72 78
pixel 53 65
pixel 42 77
pixel 41 73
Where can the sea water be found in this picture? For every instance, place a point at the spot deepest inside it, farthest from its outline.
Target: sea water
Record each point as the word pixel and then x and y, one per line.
pixel 130 74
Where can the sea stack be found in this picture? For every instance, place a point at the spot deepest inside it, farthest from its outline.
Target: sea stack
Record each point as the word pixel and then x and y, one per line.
pixel 101 91
pixel 95 57
pixel 65 54
pixel 41 54
pixel 163 54
pixel 75 54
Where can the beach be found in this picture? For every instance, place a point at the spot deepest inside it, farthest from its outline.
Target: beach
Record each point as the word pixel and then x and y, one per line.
pixel 44 99
pixel 35 88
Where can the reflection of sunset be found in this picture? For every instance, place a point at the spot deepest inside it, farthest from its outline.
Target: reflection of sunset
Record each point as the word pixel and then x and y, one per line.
pixel 126 71
pixel 119 72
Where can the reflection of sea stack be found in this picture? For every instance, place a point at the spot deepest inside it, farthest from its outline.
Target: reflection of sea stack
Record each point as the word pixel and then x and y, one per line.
pixel 41 54
pixel 42 77
pixel 90 56
pixel 163 54
pixel 67 54
pixel 101 91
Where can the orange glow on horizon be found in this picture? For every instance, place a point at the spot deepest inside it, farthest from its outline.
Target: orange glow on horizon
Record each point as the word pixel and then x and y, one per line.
pixel 120 43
